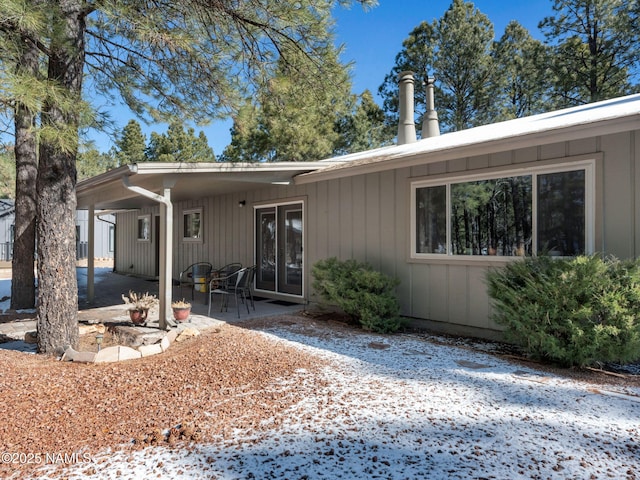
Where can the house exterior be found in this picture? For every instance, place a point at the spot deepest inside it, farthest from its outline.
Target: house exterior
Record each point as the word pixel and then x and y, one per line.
pixel 104 239
pixel 437 213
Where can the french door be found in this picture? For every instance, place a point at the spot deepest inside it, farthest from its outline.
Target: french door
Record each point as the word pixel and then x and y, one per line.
pixel 279 255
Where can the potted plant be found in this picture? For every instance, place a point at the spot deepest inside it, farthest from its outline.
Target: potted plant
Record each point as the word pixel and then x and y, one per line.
pixel 181 310
pixel 138 305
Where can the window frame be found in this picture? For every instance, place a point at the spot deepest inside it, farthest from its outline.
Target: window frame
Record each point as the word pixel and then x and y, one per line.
pixel 185 214
pixel 139 236
pixel 111 238
pixel 587 165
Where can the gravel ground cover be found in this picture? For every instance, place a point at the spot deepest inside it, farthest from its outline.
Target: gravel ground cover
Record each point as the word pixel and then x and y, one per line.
pixel 301 397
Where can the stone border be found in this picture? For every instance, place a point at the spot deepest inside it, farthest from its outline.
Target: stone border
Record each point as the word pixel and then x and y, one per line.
pixel 119 353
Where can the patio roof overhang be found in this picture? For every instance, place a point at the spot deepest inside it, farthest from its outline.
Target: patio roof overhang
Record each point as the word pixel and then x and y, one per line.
pixel 187 181
pixel 149 184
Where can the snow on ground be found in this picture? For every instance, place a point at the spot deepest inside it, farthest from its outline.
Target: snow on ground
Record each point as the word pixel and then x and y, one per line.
pixel 401 407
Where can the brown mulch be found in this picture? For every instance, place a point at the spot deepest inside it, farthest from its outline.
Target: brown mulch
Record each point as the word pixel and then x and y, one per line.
pixel 225 379
pixel 211 385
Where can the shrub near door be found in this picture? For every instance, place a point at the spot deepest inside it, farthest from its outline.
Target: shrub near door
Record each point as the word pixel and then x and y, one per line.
pixel 361 292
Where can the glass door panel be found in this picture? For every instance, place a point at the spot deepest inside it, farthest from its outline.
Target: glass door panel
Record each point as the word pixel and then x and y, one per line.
pixel 290 248
pixel 279 255
pixel 266 249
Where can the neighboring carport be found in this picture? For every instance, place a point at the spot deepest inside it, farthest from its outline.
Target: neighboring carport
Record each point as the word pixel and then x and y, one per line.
pixel 142 185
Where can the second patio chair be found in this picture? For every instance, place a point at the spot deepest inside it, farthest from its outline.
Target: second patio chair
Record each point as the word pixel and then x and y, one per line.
pixel 196 277
pixel 235 285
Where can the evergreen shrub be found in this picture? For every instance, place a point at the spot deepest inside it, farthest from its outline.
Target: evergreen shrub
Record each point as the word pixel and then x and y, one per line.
pixel 580 311
pixel 364 294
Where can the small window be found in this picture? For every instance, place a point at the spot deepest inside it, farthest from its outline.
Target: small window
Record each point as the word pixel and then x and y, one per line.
pixel 144 228
pixel 112 238
pixel 192 220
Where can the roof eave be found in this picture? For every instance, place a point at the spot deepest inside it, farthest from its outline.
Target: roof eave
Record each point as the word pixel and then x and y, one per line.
pixel 401 158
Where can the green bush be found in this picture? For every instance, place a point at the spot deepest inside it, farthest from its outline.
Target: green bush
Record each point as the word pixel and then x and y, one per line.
pixel 361 292
pixel 579 311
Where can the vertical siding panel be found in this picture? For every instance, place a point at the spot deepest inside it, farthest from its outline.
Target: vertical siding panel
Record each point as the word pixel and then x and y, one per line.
pixel 524 155
pixel 585 145
pixel 310 227
pixel 345 218
pixel 420 170
pixel 387 223
pixel 359 218
pixel 481 161
pixel 421 305
pixel 458 165
pixel 500 159
pixel 437 168
pixel 334 211
pixel 618 221
pixel 372 231
pixel 555 150
pixel 478 299
pixel 322 221
pixel 403 269
pixel 458 295
pixel 438 293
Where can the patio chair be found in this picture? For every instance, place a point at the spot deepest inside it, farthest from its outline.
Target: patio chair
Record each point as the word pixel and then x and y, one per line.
pixel 196 277
pixel 222 278
pixel 234 284
pixel 247 286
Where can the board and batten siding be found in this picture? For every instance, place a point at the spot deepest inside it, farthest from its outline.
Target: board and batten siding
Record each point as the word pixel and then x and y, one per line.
pixel 367 217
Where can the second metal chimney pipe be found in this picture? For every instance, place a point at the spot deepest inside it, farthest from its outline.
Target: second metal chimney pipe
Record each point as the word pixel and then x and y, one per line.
pixel 430 125
pixel 406 125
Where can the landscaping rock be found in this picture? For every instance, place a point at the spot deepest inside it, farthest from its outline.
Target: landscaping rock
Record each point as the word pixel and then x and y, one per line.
pixel 186 334
pixel 148 350
pixel 31 337
pixel 71 355
pixel 117 354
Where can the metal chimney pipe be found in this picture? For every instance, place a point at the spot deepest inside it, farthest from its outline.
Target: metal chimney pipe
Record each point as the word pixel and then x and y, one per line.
pixel 406 125
pixel 430 125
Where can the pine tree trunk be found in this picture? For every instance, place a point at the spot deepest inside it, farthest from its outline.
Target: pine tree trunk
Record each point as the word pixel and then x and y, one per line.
pixel 56 186
pixel 23 288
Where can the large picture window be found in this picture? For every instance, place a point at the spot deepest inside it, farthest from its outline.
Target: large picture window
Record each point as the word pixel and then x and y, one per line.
pixel 542 211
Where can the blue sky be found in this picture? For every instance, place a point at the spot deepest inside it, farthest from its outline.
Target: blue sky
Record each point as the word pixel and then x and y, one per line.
pixel 372 39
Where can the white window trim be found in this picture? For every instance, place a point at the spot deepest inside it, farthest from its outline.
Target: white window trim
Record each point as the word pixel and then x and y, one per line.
pixel 588 165
pixel 189 212
pixel 146 217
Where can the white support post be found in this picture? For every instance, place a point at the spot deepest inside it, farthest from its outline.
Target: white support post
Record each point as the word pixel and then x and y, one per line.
pixel 166 256
pixel 91 254
pixel 166 244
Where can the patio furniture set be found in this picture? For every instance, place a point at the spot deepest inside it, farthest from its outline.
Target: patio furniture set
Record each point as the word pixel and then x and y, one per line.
pixel 232 280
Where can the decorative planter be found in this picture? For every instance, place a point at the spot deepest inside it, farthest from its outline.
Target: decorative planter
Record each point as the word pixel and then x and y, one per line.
pixel 139 317
pixel 181 313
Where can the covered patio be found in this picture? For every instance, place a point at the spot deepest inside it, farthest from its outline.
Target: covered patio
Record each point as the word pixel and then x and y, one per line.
pixel 161 185
pixel 108 304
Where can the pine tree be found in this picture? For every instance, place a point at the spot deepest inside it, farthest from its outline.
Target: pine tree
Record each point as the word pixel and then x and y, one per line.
pixel 288 122
pixel 596 52
pixel 456 50
pixel 191 58
pixel 364 127
pixel 131 144
pixel 525 78
pixel 179 145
